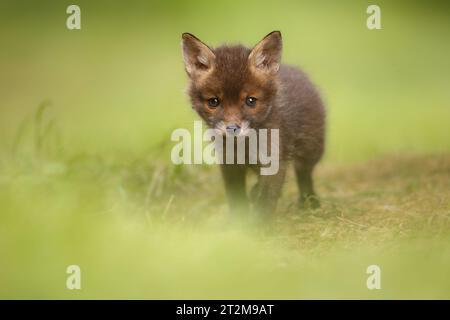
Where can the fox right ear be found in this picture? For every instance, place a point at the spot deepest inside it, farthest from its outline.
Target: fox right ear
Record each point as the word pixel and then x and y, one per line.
pixel 198 57
pixel 266 55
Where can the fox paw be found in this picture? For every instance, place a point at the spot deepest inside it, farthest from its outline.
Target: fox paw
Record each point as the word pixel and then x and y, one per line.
pixel 310 202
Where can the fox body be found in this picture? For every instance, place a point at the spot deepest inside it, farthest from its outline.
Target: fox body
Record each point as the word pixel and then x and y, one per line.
pixel 234 89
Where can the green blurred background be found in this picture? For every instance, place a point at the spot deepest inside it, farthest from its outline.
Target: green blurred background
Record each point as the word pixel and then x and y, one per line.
pixel 86 178
pixel 116 85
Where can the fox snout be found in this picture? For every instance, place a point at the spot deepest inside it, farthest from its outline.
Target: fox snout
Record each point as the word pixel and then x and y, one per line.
pixel 240 128
pixel 233 129
pixel 232 120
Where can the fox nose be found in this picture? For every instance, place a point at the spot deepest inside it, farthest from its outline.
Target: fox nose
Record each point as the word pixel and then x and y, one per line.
pixel 233 129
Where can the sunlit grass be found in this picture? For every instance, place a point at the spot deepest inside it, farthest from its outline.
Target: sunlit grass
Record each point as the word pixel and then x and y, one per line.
pixel 86 178
pixel 146 229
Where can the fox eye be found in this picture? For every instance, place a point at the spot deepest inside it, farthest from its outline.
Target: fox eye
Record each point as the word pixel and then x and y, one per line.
pixel 250 101
pixel 213 102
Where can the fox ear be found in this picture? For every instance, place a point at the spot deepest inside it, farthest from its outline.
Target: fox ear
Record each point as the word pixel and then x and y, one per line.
pixel 266 55
pixel 198 57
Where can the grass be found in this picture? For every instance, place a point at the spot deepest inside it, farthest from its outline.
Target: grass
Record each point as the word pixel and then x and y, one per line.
pixel 147 229
pixel 86 178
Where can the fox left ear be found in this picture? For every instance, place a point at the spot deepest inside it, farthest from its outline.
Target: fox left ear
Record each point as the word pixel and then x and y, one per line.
pixel 198 57
pixel 266 55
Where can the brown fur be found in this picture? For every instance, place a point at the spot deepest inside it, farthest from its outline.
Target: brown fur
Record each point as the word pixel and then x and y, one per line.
pixel 286 100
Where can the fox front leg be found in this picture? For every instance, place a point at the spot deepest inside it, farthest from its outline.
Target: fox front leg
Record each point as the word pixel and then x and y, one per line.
pixel 234 180
pixel 267 191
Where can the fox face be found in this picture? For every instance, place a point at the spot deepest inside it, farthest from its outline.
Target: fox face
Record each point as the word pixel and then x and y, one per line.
pixel 233 88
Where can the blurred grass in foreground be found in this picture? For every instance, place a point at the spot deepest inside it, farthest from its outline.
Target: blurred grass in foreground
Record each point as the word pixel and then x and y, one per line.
pixel 145 229
pixel 86 179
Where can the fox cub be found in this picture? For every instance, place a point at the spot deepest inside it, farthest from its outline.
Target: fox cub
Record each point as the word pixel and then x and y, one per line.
pixel 233 89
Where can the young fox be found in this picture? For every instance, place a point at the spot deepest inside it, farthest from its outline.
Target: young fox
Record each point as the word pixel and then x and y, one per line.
pixel 234 88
